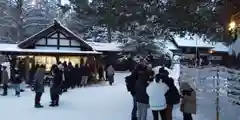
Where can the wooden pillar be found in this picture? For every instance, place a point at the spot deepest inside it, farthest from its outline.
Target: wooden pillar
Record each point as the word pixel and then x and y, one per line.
pixel 27 62
pixel 58 58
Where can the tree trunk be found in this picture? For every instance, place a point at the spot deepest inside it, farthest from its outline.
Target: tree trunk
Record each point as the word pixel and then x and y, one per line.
pixel 109 34
pixel 19 20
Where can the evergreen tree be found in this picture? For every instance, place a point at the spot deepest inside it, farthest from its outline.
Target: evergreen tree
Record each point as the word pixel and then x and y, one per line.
pixel 23 18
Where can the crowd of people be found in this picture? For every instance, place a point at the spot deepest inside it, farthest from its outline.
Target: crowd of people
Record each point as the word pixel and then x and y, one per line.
pixel 61 77
pixel 149 90
pixel 159 93
pixel 65 76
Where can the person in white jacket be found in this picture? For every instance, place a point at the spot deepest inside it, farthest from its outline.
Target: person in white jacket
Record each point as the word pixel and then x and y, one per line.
pixel 157 101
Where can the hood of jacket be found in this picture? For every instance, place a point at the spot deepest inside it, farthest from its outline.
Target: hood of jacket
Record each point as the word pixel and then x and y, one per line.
pixel 185 86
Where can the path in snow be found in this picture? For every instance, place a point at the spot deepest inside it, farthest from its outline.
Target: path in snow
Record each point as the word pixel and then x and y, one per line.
pixel 98 102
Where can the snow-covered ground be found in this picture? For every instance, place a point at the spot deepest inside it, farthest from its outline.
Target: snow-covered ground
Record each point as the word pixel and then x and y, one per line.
pixel 206 95
pixel 97 102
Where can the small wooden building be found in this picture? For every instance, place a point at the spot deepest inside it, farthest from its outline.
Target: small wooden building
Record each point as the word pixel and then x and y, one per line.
pixel 53 44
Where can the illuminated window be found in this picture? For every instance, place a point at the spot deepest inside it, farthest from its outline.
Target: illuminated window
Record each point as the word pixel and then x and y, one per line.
pixel 73 60
pixel 48 61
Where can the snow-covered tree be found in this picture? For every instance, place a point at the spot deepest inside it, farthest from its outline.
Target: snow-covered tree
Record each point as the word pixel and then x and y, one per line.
pixel 100 34
pixel 23 18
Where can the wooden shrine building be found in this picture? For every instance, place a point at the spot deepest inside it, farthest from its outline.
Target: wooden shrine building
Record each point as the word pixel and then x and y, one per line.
pixel 53 44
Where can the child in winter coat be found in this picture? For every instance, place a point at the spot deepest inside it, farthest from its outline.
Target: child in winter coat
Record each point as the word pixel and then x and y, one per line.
pixel 188 102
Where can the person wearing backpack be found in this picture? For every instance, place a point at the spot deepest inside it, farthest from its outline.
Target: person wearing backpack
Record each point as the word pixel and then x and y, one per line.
pixel 172 95
pixel 130 84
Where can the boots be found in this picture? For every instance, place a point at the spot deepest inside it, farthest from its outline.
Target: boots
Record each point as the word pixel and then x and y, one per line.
pixel 17 93
pixel 55 100
pixel 54 103
pixel 134 118
pixel 38 106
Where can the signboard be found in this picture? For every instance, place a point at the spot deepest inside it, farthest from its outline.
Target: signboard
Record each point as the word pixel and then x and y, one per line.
pixel 215 58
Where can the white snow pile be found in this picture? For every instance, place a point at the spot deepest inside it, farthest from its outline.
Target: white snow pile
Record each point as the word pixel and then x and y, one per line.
pixel 192 41
pixel 220 47
pixel 100 34
pixel 234 48
pixel 113 46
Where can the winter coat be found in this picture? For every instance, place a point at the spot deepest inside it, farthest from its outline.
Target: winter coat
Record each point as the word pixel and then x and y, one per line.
pixel 17 80
pixel 172 95
pixel 156 92
pixel 68 72
pixel 100 71
pixel 110 71
pixel 188 102
pixel 0 75
pixel 130 82
pixel 85 70
pixel 39 79
pixel 76 74
pixel 141 91
pixel 56 81
pixel 5 77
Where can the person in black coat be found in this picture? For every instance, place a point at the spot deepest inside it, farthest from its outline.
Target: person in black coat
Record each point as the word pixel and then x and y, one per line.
pixel 32 73
pixel 130 84
pixel 86 72
pixel 101 72
pixel 141 92
pixel 172 95
pixel 17 81
pixel 69 75
pixel 55 87
pixel 65 71
pixel 77 76
pixel 0 73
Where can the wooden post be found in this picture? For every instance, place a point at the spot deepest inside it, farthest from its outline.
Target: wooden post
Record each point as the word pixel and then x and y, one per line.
pixel 217 95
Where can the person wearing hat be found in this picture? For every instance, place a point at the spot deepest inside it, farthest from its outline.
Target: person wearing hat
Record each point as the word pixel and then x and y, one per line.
pixel 5 80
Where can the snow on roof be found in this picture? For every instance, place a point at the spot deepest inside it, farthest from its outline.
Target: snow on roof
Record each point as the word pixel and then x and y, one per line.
pixel 220 47
pixel 52 26
pixel 15 48
pixel 192 41
pixel 113 46
pixel 168 44
pixel 171 46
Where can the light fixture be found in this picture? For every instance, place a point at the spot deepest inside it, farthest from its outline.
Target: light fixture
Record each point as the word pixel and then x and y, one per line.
pixel 211 51
pixel 33 3
pixel 232 26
